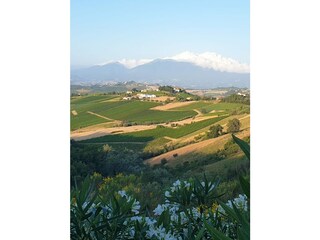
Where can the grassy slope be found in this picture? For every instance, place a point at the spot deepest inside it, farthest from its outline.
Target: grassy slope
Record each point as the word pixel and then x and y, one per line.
pixel 149 135
pixel 198 151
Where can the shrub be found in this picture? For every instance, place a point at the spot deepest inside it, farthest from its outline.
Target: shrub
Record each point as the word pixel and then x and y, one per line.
pixel 233 125
pixel 215 131
pixel 191 210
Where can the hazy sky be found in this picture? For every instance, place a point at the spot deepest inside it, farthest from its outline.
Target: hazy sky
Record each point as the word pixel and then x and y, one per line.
pixel 104 30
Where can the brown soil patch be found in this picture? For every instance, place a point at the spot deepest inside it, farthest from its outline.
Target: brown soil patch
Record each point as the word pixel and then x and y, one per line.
pixel 171 105
pixel 163 98
pixel 78 136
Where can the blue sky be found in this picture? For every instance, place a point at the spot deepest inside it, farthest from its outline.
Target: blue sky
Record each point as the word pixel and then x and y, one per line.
pixel 103 30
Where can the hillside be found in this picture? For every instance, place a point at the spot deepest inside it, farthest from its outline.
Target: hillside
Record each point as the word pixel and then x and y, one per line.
pixel 157 139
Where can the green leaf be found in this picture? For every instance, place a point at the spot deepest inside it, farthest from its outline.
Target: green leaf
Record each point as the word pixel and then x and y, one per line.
pixel 229 211
pixel 215 233
pixel 200 234
pixel 245 185
pixel 245 147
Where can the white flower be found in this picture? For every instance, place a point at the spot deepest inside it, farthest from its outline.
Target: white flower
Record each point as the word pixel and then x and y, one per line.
pixel 174 217
pixel 212 187
pixel 158 210
pixel 177 183
pixel 122 193
pixel 136 218
pixel 167 194
pixel 150 221
pixel 151 232
pixel 241 202
pixel 135 207
pixel 184 218
pixel 196 214
pixel 132 232
pixel 187 184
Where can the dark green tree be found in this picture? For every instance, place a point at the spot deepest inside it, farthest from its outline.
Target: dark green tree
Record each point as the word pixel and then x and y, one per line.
pixel 215 131
pixel 234 125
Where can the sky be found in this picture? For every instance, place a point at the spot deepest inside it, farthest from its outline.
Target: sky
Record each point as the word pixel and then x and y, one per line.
pixel 106 30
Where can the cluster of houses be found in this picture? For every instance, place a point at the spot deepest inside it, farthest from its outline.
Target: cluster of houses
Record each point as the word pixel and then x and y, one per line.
pixel 145 95
pixel 140 96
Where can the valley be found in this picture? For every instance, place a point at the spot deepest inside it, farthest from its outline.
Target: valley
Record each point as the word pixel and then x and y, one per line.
pixel 166 128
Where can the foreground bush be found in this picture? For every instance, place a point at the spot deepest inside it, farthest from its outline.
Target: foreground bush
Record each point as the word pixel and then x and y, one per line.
pixel 191 210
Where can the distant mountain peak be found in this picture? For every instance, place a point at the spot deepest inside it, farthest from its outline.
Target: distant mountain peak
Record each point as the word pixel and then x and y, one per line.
pixel 187 69
pixel 210 60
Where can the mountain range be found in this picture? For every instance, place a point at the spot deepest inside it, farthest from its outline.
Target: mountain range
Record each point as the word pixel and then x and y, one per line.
pixel 188 70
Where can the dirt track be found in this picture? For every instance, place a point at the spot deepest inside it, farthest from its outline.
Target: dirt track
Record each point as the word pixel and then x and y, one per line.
pixel 98 115
pixel 78 136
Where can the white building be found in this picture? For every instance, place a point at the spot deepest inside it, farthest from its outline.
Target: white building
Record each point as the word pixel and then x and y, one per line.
pixel 141 96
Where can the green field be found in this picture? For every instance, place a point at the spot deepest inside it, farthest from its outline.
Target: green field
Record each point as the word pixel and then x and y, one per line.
pixel 90 99
pixel 83 104
pixel 139 112
pixel 148 135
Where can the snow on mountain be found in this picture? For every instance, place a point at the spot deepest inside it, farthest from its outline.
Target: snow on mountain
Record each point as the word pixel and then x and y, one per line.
pixel 213 61
pixel 209 60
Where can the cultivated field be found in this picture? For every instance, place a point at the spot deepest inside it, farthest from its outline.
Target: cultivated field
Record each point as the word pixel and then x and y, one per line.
pixel 93 110
pixel 163 133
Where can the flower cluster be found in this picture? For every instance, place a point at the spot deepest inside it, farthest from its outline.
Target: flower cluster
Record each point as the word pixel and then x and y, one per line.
pixel 178 218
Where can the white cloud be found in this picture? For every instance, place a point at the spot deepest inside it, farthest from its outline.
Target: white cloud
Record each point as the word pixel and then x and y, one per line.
pixel 131 63
pixel 206 60
pixel 212 60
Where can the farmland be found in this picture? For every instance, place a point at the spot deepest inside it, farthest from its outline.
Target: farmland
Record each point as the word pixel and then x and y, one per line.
pixel 139 112
pixel 161 139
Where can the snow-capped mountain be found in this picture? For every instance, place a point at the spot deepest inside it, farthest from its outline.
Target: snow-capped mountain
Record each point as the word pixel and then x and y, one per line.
pixel 205 70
